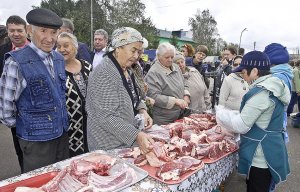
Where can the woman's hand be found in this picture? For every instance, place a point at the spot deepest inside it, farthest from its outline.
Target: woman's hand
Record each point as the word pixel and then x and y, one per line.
pixel 147 118
pixel 181 103
pixel 187 99
pixel 151 101
pixel 145 142
pixel 223 131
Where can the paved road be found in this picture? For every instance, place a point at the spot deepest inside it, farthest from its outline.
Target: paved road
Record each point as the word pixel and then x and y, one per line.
pixel 9 165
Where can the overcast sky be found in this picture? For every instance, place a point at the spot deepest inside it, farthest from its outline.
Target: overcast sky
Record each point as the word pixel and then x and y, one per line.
pixel 266 21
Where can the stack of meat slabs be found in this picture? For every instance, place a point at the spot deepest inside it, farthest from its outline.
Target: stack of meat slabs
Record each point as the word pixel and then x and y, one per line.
pixel 152 171
pixel 140 173
pixel 64 176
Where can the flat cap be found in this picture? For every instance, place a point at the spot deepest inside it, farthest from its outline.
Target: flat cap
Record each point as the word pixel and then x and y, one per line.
pixel 44 18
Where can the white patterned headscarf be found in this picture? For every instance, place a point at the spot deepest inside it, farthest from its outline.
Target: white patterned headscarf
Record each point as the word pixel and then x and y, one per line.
pixel 124 36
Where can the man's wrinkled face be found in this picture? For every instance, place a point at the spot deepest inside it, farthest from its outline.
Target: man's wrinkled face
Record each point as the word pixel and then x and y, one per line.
pixel 44 38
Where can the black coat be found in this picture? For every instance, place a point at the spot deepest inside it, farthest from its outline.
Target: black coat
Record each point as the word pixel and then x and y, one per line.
pixel 5 48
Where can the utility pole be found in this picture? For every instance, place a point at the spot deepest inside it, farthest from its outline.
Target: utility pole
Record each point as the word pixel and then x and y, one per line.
pixel 241 40
pixel 254 44
pixel 92 39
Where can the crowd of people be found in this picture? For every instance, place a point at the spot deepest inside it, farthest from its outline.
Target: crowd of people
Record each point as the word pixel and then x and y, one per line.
pixel 61 100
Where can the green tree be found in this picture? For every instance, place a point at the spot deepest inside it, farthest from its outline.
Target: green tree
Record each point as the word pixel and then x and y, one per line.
pixel 63 8
pixel 131 13
pixel 204 28
pixel 107 14
pixel 219 46
pixel 79 12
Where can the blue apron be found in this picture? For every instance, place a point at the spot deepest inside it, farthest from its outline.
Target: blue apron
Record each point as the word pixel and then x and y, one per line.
pixel 271 140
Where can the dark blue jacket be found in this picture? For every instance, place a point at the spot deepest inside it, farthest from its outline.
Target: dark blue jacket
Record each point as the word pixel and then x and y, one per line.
pixel 83 53
pixel 41 107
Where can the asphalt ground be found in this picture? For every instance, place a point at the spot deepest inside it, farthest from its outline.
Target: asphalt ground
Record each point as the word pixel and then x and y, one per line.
pixel 9 165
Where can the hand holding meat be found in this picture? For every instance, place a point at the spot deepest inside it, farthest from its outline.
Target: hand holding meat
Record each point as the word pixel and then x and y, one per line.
pixel 223 131
pixel 144 141
pixel 181 103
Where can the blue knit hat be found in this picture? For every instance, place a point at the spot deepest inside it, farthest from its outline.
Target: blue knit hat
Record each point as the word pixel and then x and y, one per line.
pixel 254 59
pixel 277 53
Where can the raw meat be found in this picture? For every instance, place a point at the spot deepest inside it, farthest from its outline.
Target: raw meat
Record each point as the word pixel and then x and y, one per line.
pixel 69 184
pixel 230 145
pixel 80 169
pixel 170 171
pixel 100 158
pixel 53 184
pixel 110 183
pixel 158 133
pixel 153 160
pixel 140 160
pixel 160 151
pixel 28 189
pixel 214 137
pixel 129 152
pixel 189 163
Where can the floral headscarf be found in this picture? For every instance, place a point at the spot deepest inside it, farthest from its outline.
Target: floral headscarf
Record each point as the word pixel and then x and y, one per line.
pixel 124 36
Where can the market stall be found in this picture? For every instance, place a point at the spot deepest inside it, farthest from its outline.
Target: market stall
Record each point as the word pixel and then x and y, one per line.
pixel 188 155
pixel 204 180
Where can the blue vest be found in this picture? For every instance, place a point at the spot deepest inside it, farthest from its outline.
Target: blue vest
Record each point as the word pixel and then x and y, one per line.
pixel 41 107
pixel 271 140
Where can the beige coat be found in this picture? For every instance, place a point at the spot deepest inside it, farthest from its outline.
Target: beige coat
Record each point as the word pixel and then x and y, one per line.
pixel 232 91
pixel 199 94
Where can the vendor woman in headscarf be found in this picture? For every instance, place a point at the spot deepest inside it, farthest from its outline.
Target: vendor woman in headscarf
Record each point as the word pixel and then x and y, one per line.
pixel 113 97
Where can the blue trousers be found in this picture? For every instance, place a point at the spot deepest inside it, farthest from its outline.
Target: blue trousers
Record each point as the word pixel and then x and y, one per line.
pixel 294 98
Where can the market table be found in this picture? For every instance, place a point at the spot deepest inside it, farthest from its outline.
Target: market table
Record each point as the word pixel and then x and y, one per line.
pixel 204 180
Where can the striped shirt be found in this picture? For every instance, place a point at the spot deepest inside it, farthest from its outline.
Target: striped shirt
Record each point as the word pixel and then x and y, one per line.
pixel 12 83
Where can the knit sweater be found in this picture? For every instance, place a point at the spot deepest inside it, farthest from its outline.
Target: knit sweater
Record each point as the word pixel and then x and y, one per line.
pixel 232 91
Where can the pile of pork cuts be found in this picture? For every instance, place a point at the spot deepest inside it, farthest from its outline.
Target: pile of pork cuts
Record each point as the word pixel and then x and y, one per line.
pixel 94 173
pixel 183 146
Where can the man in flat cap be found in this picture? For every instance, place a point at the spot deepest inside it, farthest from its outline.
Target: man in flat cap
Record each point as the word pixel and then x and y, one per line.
pixel 33 93
pixel 17 34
